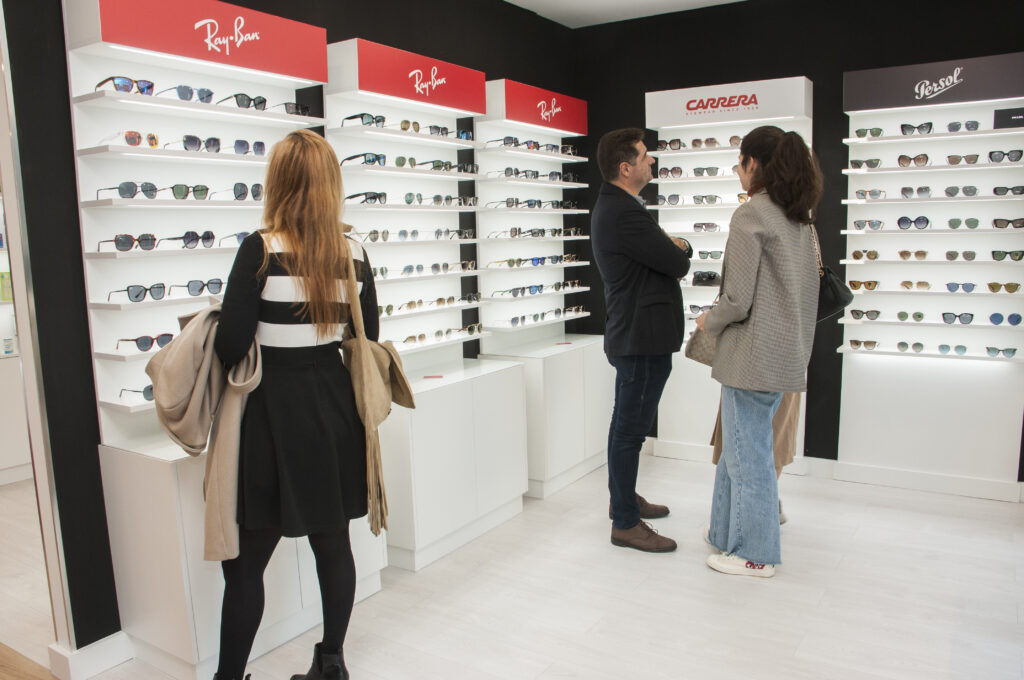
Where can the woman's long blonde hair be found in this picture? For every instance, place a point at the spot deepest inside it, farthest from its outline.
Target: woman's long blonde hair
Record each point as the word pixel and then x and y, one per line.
pixel 303 199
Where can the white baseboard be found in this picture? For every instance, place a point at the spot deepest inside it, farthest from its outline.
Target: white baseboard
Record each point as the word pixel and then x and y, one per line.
pixel 414 560
pixel 696 453
pixel 541 489
pixel 18 473
pixel 367 586
pixel 975 487
pixel 1021 499
pixel 822 468
pixel 648 448
pixel 91 660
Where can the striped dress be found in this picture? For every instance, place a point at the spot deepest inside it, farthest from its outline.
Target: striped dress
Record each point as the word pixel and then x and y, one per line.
pixel 302 462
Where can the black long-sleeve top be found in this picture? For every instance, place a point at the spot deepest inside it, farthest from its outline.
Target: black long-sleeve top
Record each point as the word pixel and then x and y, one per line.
pixel 264 307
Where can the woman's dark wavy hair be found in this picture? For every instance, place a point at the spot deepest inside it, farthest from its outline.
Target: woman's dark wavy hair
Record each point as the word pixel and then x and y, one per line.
pixel 787 169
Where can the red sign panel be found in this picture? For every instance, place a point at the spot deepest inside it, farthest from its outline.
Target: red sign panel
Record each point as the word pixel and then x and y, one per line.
pixel 218 32
pixel 386 70
pixel 528 104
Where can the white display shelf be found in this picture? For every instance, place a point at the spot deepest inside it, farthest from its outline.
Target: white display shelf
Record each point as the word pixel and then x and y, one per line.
pixel 132 407
pixel 695 180
pixel 427 311
pixel 413 348
pixel 912 260
pixel 942 231
pixel 166 302
pixel 418 242
pixel 934 199
pixel 707 261
pixel 933 137
pixel 530 268
pixel 929 355
pixel 6 302
pixel 668 153
pixel 781 121
pixel 671 208
pixel 532 211
pixel 375 170
pixel 125 356
pixel 396 135
pixel 529 153
pixel 120 153
pixel 943 293
pixel 13 355
pixel 387 207
pixel 688 234
pixel 985 325
pixel 124 101
pixel 532 239
pixel 534 183
pixel 523 298
pixel 136 253
pixel 171 202
pixel 936 168
pixel 421 277
pixel 536 324
pixel 690 286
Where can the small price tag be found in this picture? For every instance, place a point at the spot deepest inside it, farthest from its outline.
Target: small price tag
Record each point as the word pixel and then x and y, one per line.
pixel 432 377
pixel 563 343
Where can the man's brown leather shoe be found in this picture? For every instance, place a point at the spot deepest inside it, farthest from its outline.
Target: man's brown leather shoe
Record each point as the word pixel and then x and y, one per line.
pixel 642 537
pixel 647 510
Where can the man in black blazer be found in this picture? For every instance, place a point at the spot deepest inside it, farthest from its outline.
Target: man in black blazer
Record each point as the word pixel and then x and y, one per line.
pixel 640 266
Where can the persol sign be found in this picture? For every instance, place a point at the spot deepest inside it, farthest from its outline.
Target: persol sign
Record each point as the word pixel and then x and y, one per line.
pixel 528 104
pixel 724 103
pixel 218 32
pixel 390 71
pixel 946 82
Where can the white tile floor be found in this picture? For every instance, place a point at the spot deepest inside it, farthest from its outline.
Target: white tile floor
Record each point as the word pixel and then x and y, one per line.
pixel 877 583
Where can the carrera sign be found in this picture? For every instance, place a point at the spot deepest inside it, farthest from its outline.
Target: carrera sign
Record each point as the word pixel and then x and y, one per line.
pixel 533 105
pixel 220 33
pixel 394 72
pixel 731 102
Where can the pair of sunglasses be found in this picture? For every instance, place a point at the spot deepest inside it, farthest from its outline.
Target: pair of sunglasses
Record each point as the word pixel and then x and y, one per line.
pixel 713 254
pixel 861 254
pixel 871 314
pixel 968 191
pixel 921 192
pixel 866 344
pixel 1015 255
pixel 951 317
pixel 1002 191
pixel 968 255
pixel 144 343
pixel 124 84
pixel 146 392
pixel 903 346
pixel 916 316
pixel 868 285
pixel 970 125
pixel 664 173
pixel 705 226
pixel 970 222
pixel 873 194
pixel 904 161
pixel 919 222
pixel 997 318
pixel 870 163
pixel 1011 156
pixel 707 199
pixel 1001 223
pixel 125 242
pixel 922 129
pixel 519 262
pixel 874 225
pixel 995 287
pixel 1007 352
pixel 959 349
pixel 259 102
pixel 185 93
pixel 918 254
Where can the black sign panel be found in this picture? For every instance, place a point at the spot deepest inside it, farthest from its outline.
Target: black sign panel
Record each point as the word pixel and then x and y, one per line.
pixel 943 82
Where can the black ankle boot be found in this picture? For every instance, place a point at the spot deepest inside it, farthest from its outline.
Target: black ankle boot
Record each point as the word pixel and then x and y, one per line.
pixel 216 677
pixel 325 667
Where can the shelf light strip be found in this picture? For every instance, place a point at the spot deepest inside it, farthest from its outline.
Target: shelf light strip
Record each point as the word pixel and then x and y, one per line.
pixel 291 80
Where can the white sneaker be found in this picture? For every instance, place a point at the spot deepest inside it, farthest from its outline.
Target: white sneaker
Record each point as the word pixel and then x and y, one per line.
pixel 782 516
pixel 737 566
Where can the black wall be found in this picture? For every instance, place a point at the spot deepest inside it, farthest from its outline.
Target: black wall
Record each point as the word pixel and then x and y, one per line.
pixel 610 66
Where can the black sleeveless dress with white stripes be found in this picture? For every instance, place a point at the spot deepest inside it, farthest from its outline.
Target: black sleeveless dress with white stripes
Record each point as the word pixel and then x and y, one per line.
pixel 302 462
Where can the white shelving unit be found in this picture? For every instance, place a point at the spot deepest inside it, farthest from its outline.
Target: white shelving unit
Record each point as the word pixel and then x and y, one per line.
pixel 168 596
pixel 938 442
pixel 686 415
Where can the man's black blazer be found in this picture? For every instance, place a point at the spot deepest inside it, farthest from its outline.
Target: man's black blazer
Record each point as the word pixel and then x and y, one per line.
pixel 640 267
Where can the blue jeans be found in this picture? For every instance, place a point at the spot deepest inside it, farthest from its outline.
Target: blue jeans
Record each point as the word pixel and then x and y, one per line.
pixel 639 382
pixel 745 507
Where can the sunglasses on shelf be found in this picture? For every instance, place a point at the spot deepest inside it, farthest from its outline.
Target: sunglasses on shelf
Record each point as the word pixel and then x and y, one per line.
pixel 1015 255
pixel 921 192
pixel 1000 156
pixel 196 287
pixel 874 225
pixel 293 108
pixel 861 254
pixel 706 172
pixel 964 318
pixel 870 163
pixel 193 143
pixel 970 222
pixel 904 161
pixel 916 316
pixel 1002 191
pixel 968 191
pixel 920 285
pixel 186 92
pixel 131 189
pixel 920 222
pixel 518 262
pixel 516 173
pixel 134 138
pixel 520 291
pixel 959 349
pixel 516 203
pixel 242 148
pixel 997 318
pixel 144 343
pixel 698 309
pixel 370 119
pixel 190 239
pixel 123 84
pixel 922 129
pixel 954 287
pixel 1008 352
pixel 868 285
pixel 664 173
pixel 137 293
pixel 995 287
pixel 1002 223
pixel 864 132
pixel 968 255
pixel 866 344
pixel 181 191
pixel 146 392
pixel 918 254
pixel 871 314
pixel 244 101
pixel 709 143
pixel 367 159
pixel 504 141
pixel 713 254
pixel 870 193
pixel 672 144
pixel 707 199
pixel 705 226
pixel 239 237
pixel 970 125
pixel 969 159
pixel 903 346
pixel 125 242
pixel 371 197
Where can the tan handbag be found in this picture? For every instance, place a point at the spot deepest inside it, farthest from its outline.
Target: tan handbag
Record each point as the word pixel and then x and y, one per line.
pixel 701 347
pixel 377 379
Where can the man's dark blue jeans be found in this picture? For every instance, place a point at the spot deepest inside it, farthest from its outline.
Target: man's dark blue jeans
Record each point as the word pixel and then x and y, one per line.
pixel 639 382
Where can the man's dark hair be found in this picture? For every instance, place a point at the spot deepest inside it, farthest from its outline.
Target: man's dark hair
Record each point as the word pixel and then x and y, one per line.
pixel 615 147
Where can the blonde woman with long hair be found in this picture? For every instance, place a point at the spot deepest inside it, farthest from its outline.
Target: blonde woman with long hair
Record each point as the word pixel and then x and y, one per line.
pixel 302 458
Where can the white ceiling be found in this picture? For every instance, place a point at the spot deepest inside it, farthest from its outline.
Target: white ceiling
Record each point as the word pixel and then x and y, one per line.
pixel 578 13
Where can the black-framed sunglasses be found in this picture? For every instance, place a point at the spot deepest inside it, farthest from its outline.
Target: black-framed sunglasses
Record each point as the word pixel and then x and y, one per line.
pixel 504 141
pixel 293 108
pixel 137 292
pixel 864 132
pixel 244 101
pixel 185 92
pixel 125 242
pixel 664 173
pixel 144 343
pixel 438 130
pixel 242 191
pixel 181 191
pixel 124 84
pixel 672 144
pixel 146 392
pixel 1002 191
pixel 1000 156
pixel 196 287
pixel 370 197
pixel 131 189
pixel 870 163
pixel 191 239
pixel 365 119
pixel 194 143
pixel 367 159
pixel 922 129
pixel 970 125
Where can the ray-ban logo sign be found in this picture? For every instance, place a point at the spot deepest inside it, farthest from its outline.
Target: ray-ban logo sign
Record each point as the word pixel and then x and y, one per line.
pixel 214 41
pixel 926 89
pixel 548 112
pixel 425 87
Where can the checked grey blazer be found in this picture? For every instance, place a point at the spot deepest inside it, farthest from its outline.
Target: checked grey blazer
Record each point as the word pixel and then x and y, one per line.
pixel 764 320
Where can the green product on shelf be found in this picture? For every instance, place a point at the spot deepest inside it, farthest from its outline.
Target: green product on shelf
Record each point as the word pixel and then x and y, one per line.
pixel 6 290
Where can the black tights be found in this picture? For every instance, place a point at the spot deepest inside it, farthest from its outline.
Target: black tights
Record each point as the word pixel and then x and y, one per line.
pixel 244 597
